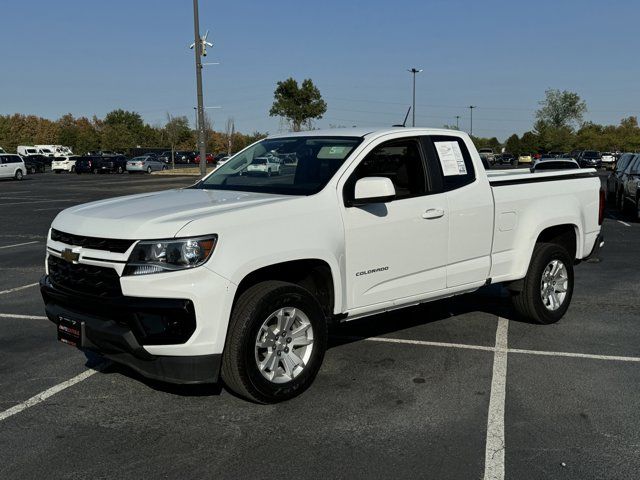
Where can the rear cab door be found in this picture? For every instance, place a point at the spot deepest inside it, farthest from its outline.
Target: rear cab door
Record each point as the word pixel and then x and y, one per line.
pixel 462 178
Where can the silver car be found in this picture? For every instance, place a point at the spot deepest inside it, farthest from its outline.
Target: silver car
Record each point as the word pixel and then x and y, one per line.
pixel 145 164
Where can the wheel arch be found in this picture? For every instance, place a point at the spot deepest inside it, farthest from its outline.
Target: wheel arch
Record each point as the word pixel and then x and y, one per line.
pixel 313 274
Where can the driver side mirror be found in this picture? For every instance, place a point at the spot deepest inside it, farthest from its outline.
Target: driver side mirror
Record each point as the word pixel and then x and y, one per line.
pixel 373 190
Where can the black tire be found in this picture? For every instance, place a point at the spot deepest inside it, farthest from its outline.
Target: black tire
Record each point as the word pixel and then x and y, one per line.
pixel 149 170
pixel 528 302
pixel 33 171
pixel 120 170
pixel 239 370
pixel 73 169
pixel 18 175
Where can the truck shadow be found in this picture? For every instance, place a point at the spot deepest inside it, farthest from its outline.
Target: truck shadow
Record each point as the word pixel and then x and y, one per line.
pixel 493 300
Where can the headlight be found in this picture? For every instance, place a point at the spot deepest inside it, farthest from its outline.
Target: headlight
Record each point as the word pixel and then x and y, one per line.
pixel 155 256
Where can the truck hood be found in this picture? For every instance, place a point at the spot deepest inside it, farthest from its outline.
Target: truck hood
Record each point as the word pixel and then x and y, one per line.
pixel 154 215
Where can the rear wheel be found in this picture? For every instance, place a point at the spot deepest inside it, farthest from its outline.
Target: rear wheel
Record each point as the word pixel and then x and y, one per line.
pixel 276 342
pixel 148 169
pixel 120 169
pixel 73 169
pixel 548 287
pixel 18 174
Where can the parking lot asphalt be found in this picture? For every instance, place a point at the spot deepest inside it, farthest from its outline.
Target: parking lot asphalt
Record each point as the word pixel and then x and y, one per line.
pixel 419 392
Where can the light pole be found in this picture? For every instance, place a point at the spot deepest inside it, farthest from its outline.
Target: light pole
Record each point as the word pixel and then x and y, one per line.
pixel 413 113
pixel 197 44
pixel 471 107
pixel 457 122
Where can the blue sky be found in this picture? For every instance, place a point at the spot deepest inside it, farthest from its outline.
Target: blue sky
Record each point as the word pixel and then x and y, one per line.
pixel 89 57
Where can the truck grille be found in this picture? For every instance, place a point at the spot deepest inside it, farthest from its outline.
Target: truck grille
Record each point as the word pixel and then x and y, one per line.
pixel 109 244
pixel 88 279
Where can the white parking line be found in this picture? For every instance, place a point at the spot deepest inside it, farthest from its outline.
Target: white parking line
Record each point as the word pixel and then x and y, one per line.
pixel 18 288
pixel 26 317
pixel 494 449
pixel 420 342
pixel 19 244
pixel 615 358
pixel 42 396
pixel 624 223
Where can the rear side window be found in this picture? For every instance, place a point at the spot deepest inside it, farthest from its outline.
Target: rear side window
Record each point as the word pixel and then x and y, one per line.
pixel 400 161
pixel 636 165
pixel 453 161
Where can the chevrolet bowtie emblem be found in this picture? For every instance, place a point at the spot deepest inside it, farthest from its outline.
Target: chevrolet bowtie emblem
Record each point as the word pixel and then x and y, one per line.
pixel 70 256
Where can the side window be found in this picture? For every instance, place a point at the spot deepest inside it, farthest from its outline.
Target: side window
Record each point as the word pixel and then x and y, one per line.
pixel 622 163
pixel 636 165
pixel 398 160
pixel 453 161
pixel 632 164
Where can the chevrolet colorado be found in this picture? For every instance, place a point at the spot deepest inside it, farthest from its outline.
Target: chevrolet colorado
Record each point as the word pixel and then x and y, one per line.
pixel 239 275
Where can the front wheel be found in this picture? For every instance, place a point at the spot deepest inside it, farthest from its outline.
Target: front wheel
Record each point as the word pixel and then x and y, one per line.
pixel 276 342
pixel 548 287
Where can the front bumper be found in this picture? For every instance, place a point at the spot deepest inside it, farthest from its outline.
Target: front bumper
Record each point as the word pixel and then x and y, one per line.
pixel 115 327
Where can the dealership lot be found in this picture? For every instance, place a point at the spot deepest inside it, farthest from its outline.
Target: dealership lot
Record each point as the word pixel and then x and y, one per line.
pixel 429 392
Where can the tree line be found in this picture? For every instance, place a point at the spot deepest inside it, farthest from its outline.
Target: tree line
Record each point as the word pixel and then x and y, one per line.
pixel 120 130
pixel 559 127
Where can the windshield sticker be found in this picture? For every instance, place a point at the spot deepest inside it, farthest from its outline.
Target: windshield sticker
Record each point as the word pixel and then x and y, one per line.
pixel 451 158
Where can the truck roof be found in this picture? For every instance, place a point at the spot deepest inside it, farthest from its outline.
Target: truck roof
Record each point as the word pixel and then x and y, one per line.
pixel 364 132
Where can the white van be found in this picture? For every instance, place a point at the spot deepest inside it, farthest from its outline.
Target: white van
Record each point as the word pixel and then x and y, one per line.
pixel 55 150
pixel 26 150
pixel 12 166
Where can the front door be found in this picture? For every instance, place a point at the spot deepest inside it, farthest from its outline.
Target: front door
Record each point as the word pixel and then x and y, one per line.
pixel 398 249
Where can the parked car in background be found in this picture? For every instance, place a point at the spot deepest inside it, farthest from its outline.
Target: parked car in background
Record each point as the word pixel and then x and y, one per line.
pixel 34 164
pixel 209 158
pixel 12 166
pixel 25 150
pixel 614 179
pixel 87 164
pixel 40 158
pixel 630 188
pixel 487 153
pixel 263 166
pixel 507 159
pixel 222 161
pixel 608 160
pixel 64 164
pixel 145 164
pixel 185 156
pixel 590 159
pixel 554 164
pixel 101 164
pixel 526 158
pixel 220 155
pixel 165 157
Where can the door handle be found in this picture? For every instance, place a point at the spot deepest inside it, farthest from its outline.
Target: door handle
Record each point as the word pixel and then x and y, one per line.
pixel 433 213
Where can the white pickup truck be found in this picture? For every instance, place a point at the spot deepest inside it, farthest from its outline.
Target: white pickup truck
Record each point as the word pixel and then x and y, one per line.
pixel 239 275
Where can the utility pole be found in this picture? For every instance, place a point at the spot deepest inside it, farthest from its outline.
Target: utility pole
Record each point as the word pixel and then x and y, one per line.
pixel 200 123
pixel 457 122
pixel 413 117
pixel 471 107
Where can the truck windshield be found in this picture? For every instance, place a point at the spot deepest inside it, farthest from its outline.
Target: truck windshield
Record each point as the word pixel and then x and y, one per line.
pixel 296 165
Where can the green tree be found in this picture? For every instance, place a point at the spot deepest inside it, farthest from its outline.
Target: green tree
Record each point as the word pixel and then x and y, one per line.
pixel 177 130
pixel 513 145
pixel 561 109
pixel 299 105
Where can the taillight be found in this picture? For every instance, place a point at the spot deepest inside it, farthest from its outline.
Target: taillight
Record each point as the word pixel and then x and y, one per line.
pixel 603 201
